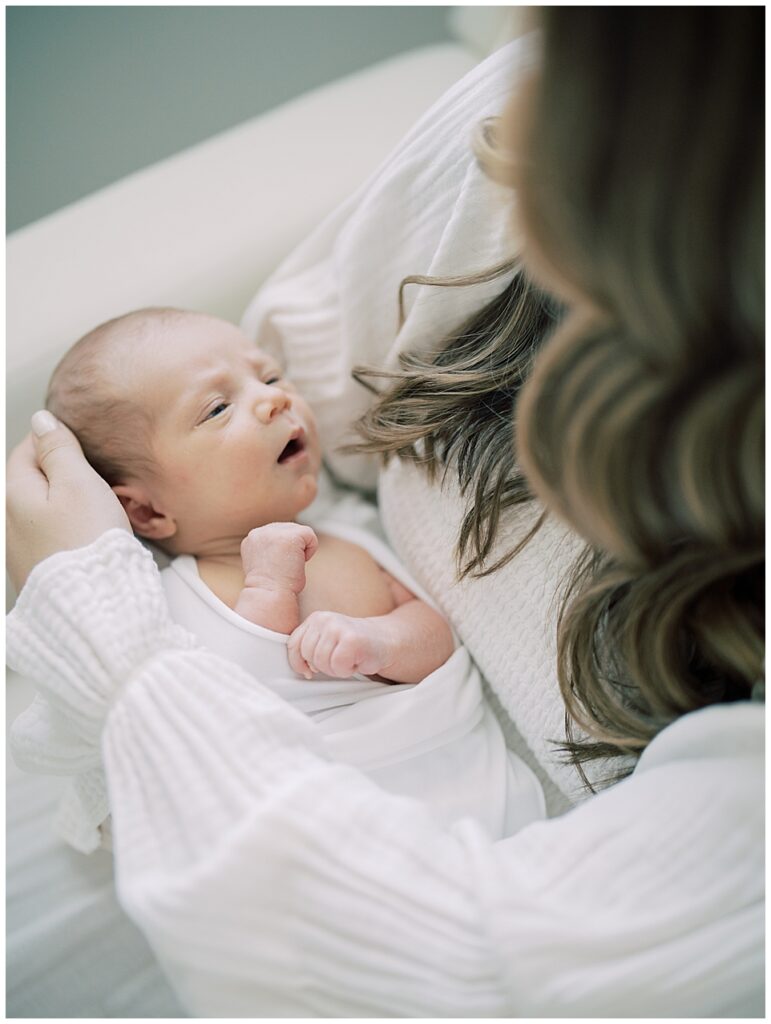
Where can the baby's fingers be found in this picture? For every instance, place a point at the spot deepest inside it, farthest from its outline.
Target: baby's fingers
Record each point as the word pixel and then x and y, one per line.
pixel 297 662
pixel 309 642
pixel 343 661
pixel 323 653
pixel 310 541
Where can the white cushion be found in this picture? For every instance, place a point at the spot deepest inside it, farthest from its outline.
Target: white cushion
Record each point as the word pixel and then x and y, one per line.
pixel 202 229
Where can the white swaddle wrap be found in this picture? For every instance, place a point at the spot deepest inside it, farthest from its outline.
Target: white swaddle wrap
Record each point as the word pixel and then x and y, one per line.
pixel 437 741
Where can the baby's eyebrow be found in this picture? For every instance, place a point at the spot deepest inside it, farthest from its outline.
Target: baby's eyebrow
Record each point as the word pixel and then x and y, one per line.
pixel 256 355
pixel 193 393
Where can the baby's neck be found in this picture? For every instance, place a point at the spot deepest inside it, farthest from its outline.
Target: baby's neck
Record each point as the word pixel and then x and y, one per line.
pixel 225 550
pixel 228 558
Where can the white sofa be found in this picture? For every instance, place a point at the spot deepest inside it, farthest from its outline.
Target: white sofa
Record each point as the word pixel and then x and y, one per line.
pixel 200 230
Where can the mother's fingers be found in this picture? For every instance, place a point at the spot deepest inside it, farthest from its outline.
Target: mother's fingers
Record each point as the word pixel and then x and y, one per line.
pixel 58 451
pixel 51 452
pixel 23 464
pixel 55 501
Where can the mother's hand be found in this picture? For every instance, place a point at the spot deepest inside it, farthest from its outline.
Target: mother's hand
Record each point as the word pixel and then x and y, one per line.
pixel 55 501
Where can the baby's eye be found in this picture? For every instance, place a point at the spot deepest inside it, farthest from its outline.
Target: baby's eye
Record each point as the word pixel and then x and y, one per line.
pixel 273 378
pixel 218 408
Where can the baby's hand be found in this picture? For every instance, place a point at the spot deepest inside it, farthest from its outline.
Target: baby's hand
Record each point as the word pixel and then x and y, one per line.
pixel 339 646
pixel 274 556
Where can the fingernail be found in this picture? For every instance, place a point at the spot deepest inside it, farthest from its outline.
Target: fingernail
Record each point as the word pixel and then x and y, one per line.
pixel 43 422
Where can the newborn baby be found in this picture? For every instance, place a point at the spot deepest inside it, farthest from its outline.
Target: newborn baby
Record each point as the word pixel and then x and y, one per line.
pixel 214 456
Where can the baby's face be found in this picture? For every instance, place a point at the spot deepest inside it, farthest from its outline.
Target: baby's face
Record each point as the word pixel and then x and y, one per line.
pixel 234 444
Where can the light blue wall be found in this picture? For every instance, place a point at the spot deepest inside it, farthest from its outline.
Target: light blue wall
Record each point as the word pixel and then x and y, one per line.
pixel 93 93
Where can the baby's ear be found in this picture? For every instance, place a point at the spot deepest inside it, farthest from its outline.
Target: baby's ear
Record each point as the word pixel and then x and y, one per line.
pixel 145 519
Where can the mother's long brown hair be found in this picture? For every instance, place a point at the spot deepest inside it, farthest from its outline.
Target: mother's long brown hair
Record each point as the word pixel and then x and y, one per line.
pixel 640 172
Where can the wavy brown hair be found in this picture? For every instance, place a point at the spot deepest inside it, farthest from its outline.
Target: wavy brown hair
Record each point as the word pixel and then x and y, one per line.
pixel 453 407
pixel 639 416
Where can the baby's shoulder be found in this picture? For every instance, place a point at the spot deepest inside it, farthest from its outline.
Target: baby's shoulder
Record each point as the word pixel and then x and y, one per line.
pixel 344 577
pixel 336 548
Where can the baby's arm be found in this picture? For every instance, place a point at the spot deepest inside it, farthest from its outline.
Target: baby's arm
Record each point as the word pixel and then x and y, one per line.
pixel 418 638
pixel 403 646
pixel 274 558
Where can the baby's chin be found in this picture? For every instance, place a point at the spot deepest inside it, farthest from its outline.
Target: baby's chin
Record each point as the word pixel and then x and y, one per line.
pixel 232 532
pixel 303 494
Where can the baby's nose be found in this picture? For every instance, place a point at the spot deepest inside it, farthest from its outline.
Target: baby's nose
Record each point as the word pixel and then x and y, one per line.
pixel 270 402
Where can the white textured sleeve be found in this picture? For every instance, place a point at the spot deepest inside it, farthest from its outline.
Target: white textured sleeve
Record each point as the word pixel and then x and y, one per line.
pixel 112 582
pixel 271 881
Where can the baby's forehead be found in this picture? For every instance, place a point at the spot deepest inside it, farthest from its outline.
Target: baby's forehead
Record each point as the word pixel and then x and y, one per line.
pixel 210 336
pixel 191 357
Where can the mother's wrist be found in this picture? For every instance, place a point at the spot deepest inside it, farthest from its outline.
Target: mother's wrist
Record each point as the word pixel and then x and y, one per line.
pixel 86 620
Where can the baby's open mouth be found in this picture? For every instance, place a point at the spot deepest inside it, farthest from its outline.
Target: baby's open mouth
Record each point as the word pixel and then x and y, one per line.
pixel 293 447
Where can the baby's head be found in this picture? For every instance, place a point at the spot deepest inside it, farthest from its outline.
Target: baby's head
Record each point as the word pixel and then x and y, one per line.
pixel 196 430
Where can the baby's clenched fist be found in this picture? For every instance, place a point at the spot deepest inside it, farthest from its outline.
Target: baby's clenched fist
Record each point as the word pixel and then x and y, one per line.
pixel 339 646
pixel 274 556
